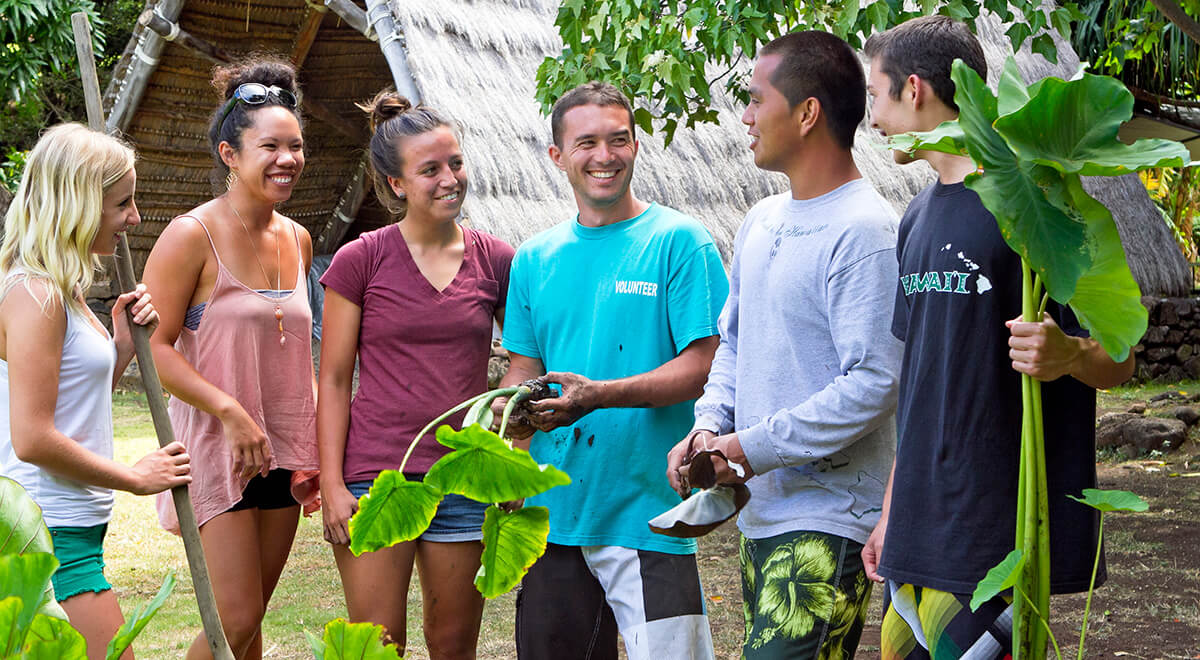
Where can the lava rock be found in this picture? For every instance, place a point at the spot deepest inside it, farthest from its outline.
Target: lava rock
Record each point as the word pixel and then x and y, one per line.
pixel 1137 409
pixel 1169 394
pixel 1156 334
pixel 1185 414
pixel 1145 433
pixel 1159 353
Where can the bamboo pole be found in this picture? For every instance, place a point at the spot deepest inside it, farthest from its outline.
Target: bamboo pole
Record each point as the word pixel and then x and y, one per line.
pixel 205 599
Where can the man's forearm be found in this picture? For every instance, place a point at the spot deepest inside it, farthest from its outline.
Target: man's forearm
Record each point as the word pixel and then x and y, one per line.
pixel 1096 369
pixel 679 379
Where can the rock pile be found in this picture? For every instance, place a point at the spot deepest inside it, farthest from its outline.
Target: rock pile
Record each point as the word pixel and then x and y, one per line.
pixel 1170 350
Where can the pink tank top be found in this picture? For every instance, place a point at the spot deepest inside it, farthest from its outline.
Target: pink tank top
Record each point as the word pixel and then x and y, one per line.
pixel 237 348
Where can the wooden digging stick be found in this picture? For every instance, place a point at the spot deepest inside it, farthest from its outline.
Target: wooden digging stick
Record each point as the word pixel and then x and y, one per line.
pixel 126 281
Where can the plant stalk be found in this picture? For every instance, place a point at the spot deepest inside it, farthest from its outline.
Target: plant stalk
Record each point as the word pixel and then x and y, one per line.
pixel 1087 606
pixel 520 395
pixel 508 391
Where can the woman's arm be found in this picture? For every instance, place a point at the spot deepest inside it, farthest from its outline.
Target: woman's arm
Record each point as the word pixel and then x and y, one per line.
pixel 172 274
pixel 339 345
pixel 33 348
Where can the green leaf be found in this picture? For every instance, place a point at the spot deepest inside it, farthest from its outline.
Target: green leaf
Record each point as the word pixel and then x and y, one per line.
pixel 1017 34
pixel 51 638
pixel 354 641
pixel 24 578
pixel 644 119
pixel 512 542
pixel 1002 576
pixel 1111 500
pixel 134 625
pixel 393 511
pixel 484 468
pixel 1082 137
pixel 480 413
pixel 1011 94
pixel 1043 45
pixel 316 644
pixel 946 138
pixel 22 530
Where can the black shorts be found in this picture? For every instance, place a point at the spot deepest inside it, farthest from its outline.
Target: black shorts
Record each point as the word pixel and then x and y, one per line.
pixel 273 491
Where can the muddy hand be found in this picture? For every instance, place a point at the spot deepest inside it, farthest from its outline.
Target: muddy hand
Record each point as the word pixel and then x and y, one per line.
pixel 579 397
pixel 681 455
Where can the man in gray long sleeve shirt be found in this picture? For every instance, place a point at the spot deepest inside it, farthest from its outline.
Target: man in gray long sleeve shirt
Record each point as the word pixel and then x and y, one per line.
pixel 802 391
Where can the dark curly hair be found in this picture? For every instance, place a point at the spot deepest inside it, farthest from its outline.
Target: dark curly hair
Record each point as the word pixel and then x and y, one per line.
pixel 264 69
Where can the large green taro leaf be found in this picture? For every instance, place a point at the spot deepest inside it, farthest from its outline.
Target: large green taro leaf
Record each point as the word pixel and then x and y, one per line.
pixel 1002 576
pixel 351 641
pixel 1107 300
pixel 1072 127
pixel 947 138
pixel 512 542
pixel 1049 240
pixel 23 578
pixel 22 530
pixel 484 468
pixel 134 625
pixel 393 511
pixel 1111 500
pixel 53 639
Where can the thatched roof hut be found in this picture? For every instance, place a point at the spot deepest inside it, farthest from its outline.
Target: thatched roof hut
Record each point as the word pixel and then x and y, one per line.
pixel 476 60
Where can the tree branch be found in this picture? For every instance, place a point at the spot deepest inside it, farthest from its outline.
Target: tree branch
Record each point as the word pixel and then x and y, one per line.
pixel 1175 13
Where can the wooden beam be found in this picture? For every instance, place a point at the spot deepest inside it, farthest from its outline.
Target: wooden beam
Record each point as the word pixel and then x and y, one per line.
pixel 354 17
pixel 307 34
pixel 171 31
pixel 352 130
pixel 132 85
pixel 344 213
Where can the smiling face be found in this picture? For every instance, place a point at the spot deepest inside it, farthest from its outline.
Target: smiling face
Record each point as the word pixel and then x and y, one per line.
pixel 434 179
pixel 118 213
pixel 597 153
pixel 775 134
pixel 272 154
pixel 890 116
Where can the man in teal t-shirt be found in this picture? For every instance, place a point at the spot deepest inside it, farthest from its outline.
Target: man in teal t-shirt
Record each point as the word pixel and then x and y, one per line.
pixel 618 306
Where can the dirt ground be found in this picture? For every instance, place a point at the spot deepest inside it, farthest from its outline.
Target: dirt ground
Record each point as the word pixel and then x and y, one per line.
pixel 1149 609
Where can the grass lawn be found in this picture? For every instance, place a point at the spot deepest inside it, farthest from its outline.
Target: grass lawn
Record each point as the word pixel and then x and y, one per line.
pixel 139 553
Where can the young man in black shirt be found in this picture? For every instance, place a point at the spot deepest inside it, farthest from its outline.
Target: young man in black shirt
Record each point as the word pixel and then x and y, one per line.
pixel 950 509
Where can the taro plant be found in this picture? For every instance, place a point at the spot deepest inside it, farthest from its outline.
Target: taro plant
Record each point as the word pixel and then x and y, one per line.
pixel 342 640
pixel 1006 574
pixel 1031 145
pixel 485 467
pixel 32 624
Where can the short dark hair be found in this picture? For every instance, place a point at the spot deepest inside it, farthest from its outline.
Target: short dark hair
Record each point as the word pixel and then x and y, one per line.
pixel 592 93
pixel 926 47
pixel 819 65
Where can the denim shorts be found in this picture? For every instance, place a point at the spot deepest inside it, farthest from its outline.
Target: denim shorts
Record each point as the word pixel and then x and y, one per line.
pixel 458 518
pixel 80 554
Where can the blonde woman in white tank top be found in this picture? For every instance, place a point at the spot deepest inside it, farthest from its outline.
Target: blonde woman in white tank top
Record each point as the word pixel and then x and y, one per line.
pixel 58 364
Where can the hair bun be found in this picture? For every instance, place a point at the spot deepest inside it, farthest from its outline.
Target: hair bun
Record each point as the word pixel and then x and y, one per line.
pixel 385 106
pixel 267 70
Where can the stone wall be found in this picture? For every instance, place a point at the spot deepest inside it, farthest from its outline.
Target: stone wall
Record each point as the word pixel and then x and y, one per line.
pixel 1170 350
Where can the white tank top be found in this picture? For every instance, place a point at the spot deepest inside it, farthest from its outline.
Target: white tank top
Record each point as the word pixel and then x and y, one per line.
pixel 83 412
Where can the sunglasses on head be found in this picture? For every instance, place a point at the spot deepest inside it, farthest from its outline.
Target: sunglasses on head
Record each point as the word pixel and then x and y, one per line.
pixel 257 94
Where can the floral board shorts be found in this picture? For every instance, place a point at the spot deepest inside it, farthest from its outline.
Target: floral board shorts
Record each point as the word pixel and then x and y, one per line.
pixel 804 595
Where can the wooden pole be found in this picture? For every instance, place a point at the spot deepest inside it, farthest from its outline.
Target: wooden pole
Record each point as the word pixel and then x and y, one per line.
pixel 205 599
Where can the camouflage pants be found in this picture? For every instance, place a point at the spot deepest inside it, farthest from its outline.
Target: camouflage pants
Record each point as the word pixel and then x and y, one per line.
pixel 805 595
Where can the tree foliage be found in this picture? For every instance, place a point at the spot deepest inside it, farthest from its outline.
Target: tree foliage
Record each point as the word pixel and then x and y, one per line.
pixel 671 52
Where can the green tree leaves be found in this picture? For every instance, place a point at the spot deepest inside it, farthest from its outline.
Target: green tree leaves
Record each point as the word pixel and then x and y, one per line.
pixel 1032 144
pixel 512 542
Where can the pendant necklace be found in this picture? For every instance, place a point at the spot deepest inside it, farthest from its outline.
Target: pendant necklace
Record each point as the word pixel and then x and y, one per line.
pixel 278 272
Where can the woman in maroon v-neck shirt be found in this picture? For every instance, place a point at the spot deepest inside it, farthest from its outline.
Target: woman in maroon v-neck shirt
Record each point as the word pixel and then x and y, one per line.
pixel 415 301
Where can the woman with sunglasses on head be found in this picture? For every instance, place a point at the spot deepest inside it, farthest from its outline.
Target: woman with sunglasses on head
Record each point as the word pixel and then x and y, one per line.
pixel 58 364
pixel 233 348
pixel 415 301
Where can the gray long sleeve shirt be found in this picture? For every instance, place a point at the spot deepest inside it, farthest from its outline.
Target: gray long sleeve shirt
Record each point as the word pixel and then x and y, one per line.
pixel 807 367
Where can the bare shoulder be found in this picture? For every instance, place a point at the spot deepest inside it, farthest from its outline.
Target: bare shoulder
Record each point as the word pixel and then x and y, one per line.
pixel 32 305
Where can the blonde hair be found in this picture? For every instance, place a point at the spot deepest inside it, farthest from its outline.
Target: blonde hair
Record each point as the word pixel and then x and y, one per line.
pixel 55 216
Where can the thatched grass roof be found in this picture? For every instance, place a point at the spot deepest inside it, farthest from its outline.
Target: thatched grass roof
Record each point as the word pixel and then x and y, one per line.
pixel 476 60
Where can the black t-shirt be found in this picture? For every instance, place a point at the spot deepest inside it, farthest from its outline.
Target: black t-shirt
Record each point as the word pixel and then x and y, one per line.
pixel 954 494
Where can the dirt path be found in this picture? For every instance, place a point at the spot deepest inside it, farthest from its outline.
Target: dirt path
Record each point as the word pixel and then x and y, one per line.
pixel 1149 609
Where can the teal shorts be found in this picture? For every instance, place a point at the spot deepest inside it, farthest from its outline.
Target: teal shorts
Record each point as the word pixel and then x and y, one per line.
pixel 80 553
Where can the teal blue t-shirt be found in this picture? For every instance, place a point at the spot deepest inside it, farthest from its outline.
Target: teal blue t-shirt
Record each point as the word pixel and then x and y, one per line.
pixel 611 302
